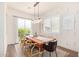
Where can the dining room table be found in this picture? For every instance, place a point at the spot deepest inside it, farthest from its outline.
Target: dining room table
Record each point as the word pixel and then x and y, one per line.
pixel 40 40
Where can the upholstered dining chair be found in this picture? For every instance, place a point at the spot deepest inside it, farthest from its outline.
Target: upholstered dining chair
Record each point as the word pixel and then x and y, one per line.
pixel 51 47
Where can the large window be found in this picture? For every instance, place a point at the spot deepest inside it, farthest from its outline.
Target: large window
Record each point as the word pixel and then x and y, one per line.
pixel 24 27
pixel 52 25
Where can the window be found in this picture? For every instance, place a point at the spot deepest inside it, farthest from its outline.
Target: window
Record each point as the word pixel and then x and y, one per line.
pixel 24 25
pixel 52 25
pixel 47 25
pixel 55 24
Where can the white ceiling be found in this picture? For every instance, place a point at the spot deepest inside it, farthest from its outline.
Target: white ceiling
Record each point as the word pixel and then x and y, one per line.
pixel 43 8
pixel 28 7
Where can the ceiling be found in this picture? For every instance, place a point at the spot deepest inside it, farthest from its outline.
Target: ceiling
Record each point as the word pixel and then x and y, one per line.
pixel 28 7
pixel 44 7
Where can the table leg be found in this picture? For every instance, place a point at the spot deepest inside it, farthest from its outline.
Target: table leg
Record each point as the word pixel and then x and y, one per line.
pixel 39 51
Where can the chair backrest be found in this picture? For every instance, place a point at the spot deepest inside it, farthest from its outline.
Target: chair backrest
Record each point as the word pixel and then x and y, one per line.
pixel 52 45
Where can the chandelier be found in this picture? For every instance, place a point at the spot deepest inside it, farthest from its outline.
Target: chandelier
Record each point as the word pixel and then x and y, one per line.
pixel 36 20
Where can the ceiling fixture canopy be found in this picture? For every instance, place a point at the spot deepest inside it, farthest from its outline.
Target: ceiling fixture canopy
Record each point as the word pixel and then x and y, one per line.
pixel 35 4
pixel 36 20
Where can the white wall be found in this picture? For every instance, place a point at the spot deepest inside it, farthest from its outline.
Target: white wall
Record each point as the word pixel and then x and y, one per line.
pixel 2 30
pixel 67 39
pixel 11 23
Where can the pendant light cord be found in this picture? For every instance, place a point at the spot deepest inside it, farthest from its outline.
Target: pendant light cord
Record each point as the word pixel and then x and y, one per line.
pixel 38 11
pixel 34 13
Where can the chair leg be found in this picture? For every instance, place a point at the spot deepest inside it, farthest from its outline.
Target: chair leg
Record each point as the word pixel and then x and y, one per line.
pixel 50 54
pixel 42 54
pixel 56 53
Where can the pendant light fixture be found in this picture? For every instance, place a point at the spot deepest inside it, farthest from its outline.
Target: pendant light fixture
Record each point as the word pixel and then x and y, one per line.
pixel 38 20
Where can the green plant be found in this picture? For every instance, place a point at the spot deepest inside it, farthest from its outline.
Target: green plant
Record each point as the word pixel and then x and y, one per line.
pixel 23 31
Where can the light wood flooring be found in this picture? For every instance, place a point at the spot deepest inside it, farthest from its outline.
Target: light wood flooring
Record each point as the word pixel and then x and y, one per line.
pixel 15 50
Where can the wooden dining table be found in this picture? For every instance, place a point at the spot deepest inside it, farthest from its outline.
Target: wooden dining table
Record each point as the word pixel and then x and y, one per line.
pixel 40 40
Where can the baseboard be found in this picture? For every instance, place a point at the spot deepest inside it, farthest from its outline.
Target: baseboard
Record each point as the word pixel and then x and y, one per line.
pixel 13 44
pixel 69 50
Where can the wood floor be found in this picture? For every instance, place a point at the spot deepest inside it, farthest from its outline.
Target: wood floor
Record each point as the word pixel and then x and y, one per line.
pixel 16 51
